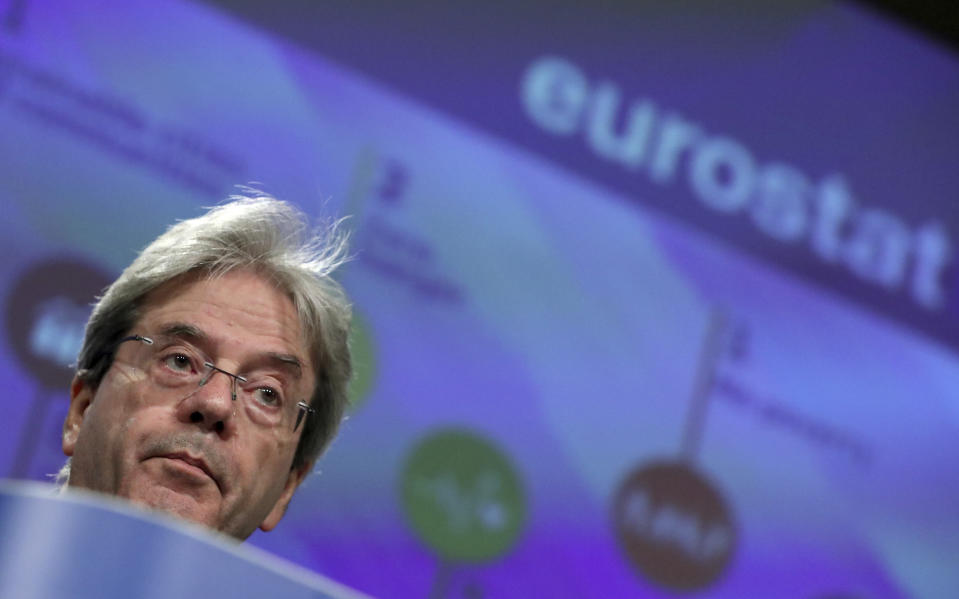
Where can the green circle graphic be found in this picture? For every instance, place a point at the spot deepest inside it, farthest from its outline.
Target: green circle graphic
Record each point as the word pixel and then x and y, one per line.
pixel 462 496
pixel 364 362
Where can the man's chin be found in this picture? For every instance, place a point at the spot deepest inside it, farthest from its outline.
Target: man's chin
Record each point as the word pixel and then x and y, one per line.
pixel 185 504
pixel 175 503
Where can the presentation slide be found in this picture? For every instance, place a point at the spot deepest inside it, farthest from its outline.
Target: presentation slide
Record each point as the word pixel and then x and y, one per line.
pixel 658 301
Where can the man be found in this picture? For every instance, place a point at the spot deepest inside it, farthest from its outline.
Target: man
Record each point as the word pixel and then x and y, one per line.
pixel 213 371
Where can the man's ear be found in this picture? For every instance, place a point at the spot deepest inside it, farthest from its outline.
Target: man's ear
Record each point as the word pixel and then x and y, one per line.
pixel 279 508
pixel 81 395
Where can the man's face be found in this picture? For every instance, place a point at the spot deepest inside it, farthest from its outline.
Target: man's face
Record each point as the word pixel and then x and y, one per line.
pixel 201 456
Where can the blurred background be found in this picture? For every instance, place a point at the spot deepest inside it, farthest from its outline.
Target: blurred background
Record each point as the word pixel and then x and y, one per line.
pixel 652 299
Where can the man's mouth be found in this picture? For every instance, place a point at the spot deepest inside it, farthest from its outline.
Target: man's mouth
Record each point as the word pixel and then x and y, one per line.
pixel 195 463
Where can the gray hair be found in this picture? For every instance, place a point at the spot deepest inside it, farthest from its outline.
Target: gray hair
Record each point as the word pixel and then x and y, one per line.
pixel 257 232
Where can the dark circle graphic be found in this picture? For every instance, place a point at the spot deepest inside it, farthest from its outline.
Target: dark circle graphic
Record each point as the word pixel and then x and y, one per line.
pixel 462 496
pixel 674 526
pixel 46 311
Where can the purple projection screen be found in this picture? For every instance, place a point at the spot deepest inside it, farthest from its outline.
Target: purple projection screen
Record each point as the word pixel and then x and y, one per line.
pixel 650 302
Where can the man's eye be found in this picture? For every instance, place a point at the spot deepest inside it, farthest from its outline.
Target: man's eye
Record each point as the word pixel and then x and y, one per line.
pixel 179 363
pixel 267 396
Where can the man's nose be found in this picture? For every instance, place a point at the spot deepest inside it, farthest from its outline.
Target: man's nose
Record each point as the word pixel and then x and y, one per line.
pixel 211 404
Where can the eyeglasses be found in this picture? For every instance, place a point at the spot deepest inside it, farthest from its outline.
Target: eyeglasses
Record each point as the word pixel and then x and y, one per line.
pixel 170 362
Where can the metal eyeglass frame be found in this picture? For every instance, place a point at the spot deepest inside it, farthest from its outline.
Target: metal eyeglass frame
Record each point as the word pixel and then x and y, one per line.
pixel 305 409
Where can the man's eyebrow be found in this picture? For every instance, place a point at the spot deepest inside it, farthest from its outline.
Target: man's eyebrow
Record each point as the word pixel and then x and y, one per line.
pixel 183 330
pixel 194 334
pixel 287 362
